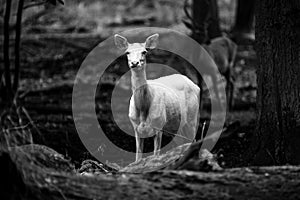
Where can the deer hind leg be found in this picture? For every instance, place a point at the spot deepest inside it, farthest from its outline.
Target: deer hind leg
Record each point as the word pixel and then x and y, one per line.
pixel 200 84
pixel 190 128
pixel 157 142
pixel 193 117
pixel 216 91
pixel 188 132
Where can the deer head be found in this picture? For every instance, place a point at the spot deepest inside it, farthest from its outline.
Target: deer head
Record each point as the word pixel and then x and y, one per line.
pixel 136 52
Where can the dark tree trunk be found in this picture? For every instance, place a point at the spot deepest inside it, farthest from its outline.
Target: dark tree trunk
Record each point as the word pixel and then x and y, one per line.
pixel 278 98
pixel 17 45
pixel 214 25
pixel 244 15
pixel 205 14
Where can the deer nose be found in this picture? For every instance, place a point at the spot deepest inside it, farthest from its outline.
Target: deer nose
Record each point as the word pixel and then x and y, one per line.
pixel 135 63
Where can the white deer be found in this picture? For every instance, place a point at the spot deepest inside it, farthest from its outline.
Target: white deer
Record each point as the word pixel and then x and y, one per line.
pixel 172 100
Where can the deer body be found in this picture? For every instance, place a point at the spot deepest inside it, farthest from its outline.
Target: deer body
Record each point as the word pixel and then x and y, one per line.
pixel 169 101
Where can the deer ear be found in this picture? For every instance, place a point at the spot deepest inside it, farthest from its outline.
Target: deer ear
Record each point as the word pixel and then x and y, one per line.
pixel 121 42
pixel 151 41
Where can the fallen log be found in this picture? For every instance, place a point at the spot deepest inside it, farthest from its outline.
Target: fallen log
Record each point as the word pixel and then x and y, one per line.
pixel 34 181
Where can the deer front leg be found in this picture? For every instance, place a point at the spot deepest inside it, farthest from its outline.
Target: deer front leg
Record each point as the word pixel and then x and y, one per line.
pixel 139 147
pixel 139 142
pixel 157 142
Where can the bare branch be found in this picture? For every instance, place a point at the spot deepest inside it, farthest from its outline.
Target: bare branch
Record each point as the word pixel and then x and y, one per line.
pixel 17 45
pixel 193 25
pixel 34 4
pixel 185 8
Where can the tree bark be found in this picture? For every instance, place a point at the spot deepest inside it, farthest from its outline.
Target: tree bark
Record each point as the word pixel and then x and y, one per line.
pixel 278 74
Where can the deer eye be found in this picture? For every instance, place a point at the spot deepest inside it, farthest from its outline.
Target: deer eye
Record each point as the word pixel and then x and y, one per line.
pixel 126 53
pixel 144 52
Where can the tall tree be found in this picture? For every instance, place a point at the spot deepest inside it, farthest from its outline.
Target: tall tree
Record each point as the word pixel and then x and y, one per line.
pixel 278 73
pixel 205 19
pixel 244 16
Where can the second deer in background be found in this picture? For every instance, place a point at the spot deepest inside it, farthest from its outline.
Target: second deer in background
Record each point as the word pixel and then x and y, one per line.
pixel 223 51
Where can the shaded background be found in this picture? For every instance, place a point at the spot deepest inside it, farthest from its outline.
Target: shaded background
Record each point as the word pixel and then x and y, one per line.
pixel 56 39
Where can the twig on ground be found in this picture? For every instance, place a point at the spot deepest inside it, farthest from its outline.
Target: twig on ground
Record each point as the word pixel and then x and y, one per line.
pixel 31 121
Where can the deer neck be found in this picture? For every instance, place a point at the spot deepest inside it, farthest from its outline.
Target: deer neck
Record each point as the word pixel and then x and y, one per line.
pixel 138 79
pixel 141 93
